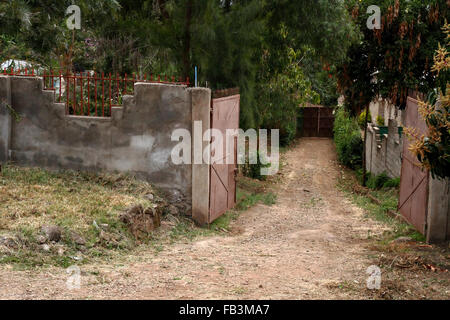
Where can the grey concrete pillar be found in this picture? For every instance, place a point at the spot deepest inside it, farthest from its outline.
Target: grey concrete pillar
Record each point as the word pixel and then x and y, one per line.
pixel 438 218
pixel 201 111
pixel 369 147
pixel 5 118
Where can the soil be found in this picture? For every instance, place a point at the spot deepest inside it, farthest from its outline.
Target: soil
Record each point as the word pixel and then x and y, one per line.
pixel 312 244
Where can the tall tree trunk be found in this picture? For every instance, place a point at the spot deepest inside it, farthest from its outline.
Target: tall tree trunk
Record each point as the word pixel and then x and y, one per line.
pixel 187 40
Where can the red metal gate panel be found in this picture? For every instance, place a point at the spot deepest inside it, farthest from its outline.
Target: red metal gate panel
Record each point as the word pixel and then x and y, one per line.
pixel 310 122
pixel 318 121
pixel 225 115
pixel 413 201
pixel 326 122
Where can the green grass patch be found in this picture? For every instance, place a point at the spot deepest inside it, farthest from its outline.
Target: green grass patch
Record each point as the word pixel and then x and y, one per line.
pixel 251 192
pixel 389 201
pixel 248 200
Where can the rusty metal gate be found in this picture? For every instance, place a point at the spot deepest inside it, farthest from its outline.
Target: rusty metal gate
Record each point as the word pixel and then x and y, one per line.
pixel 413 201
pixel 224 115
pixel 317 121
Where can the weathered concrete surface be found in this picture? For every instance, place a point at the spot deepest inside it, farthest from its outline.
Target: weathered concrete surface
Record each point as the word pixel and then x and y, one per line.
pixel 384 153
pixel 5 118
pixel 136 139
pixel 438 219
pixel 201 106
pixel 381 107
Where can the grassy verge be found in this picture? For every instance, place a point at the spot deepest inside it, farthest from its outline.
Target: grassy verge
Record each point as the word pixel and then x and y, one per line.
pixel 88 205
pixel 388 197
pixel 249 193
pixel 410 268
pixel 75 202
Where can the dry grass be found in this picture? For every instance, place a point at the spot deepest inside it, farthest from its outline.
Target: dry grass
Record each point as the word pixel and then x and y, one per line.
pixel 31 198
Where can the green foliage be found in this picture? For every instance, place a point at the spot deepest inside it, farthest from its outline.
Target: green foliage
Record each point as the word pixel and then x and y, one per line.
pixel 288 131
pixel 291 62
pixel 254 170
pixel 400 53
pixel 433 150
pixel 362 119
pixel 251 44
pixel 323 80
pixel 392 183
pixel 347 138
pixel 36 30
pixel 389 202
pixel 380 121
pixel 377 182
pixel 282 96
pixel 246 199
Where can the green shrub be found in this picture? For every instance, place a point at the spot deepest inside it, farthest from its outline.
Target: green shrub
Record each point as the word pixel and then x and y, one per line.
pixel 377 182
pixel 380 121
pixel 381 181
pixel 347 137
pixel 254 170
pixel 392 183
pixel 288 132
pixel 299 122
pixel 362 119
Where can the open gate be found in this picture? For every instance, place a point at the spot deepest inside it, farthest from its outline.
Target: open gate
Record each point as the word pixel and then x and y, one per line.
pixel 224 115
pixel 317 121
pixel 413 201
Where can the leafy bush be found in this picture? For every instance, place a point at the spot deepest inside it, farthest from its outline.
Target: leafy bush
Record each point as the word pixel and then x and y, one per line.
pixel 433 150
pixel 347 137
pixel 362 119
pixel 281 96
pixel 392 183
pixel 254 170
pixel 380 121
pixel 377 182
pixel 288 132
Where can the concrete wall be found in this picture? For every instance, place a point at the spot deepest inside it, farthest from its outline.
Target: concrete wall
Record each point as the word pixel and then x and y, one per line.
pixel 5 118
pixel 438 217
pixel 136 139
pixel 384 152
pixel 201 106
pixel 380 107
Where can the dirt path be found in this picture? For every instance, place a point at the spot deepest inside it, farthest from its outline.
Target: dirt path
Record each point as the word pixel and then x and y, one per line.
pixel 303 247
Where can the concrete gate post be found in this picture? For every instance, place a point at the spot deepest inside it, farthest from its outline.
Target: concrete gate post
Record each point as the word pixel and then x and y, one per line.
pixel 5 118
pixel 201 111
pixel 438 218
